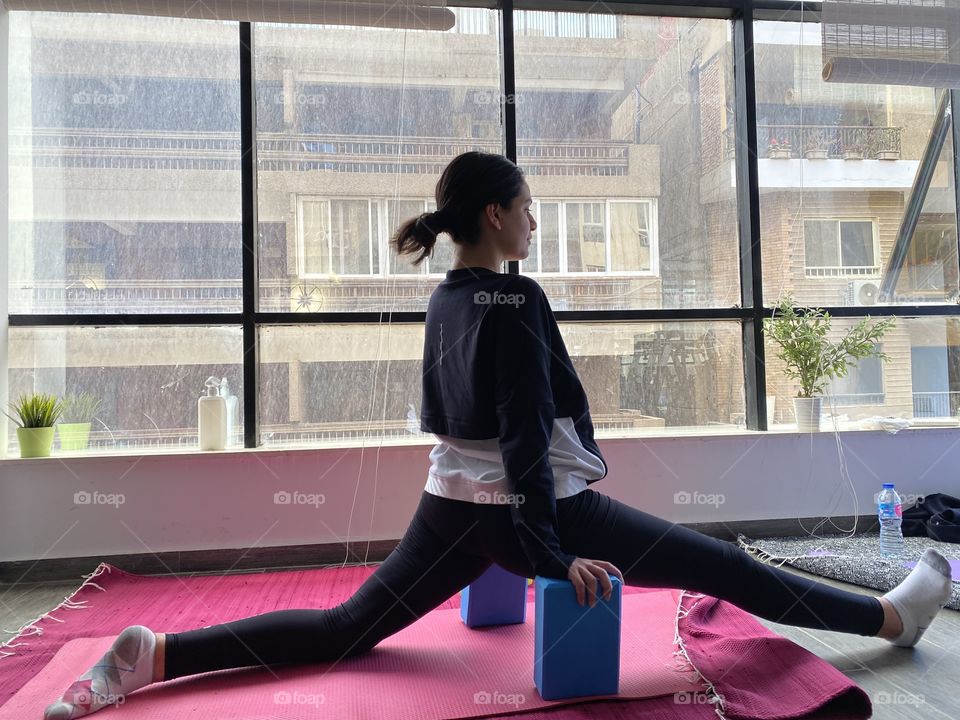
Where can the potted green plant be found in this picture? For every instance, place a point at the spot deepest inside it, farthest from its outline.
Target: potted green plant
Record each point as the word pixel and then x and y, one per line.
pixel 810 358
pixel 888 144
pixel 816 147
pixel 36 415
pixel 854 149
pixel 74 426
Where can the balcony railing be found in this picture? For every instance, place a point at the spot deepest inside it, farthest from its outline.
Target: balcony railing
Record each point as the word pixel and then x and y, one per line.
pixel 835 141
pixel 936 404
pixel 842 271
pixel 399 292
pixel 284 152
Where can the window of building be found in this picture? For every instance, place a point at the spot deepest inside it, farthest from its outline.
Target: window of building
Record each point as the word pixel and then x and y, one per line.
pixel 337 236
pixel 348 236
pixel 613 236
pixel 840 247
pixel 862 385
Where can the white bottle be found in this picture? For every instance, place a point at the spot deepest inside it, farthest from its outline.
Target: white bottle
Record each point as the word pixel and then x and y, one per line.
pixel 212 418
pixel 231 410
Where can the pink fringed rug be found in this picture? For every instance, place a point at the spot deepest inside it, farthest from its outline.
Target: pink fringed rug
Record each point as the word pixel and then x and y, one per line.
pixel 748 671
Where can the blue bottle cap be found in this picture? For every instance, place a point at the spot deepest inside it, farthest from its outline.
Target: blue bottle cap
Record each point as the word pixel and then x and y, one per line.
pixel 889 485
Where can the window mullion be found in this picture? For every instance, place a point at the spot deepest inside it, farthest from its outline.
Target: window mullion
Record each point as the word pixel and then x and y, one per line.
pixel 249 273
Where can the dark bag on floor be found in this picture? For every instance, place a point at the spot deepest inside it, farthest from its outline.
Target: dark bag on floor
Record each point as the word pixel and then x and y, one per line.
pixel 936 516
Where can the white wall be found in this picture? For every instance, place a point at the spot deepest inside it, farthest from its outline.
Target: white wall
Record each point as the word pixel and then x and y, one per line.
pixel 226 500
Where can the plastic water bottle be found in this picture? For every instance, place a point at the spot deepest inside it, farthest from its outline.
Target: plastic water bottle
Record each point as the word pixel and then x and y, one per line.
pixel 891 517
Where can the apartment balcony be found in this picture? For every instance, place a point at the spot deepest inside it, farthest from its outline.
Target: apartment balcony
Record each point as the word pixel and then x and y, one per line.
pixel 400 293
pixel 282 152
pixel 812 157
pixel 821 142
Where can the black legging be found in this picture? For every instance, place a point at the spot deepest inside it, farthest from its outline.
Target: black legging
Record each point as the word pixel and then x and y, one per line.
pixel 450 543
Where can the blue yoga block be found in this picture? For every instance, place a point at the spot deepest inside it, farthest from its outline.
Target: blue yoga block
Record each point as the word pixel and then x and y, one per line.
pixel 497 597
pixel 576 648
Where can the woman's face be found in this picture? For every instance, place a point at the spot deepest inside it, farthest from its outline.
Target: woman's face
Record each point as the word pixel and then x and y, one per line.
pixel 517 226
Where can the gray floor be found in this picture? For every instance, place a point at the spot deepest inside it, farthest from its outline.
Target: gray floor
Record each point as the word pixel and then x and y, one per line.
pixel 918 684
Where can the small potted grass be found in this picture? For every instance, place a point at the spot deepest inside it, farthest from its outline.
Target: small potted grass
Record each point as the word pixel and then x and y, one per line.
pixel 74 426
pixel 36 415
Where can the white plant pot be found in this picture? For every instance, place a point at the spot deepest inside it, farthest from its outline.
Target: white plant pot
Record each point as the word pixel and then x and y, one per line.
pixel 807 411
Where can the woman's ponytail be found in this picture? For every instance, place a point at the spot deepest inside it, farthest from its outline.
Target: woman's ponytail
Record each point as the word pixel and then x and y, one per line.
pixel 470 182
pixel 420 233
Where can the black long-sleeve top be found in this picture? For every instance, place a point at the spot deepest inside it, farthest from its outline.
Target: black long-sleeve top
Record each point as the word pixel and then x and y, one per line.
pixel 495 367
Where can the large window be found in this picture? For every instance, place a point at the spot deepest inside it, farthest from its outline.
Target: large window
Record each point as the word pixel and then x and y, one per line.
pixel 126 222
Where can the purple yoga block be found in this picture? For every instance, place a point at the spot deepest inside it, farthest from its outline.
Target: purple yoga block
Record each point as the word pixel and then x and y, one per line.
pixel 497 597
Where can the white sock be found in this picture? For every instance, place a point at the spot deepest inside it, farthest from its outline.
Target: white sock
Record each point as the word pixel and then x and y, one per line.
pixel 920 596
pixel 125 667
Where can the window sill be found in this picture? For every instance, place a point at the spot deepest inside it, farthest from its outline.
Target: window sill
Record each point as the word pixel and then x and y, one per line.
pixel 843 426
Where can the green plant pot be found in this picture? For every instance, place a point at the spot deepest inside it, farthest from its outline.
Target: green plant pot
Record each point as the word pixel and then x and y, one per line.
pixel 74 436
pixel 35 442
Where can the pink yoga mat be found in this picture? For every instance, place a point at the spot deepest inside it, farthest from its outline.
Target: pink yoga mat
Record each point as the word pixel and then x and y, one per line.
pixel 761 675
pixel 435 669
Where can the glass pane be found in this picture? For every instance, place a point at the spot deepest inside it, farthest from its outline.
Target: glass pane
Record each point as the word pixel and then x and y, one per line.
pixel 363 121
pixel 548 237
pixel 398 211
pixel 125 164
pixel 316 237
pixel 586 233
pixel 629 236
pixel 856 244
pixel 921 378
pixel 636 123
pixel 146 379
pixel 849 153
pixel 317 381
pixel 820 244
pixel 544 254
pixel 352 235
pixel 337 384
pixel 676 375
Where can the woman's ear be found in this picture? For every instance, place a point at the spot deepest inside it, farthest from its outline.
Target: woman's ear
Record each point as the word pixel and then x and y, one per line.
pixel 492 211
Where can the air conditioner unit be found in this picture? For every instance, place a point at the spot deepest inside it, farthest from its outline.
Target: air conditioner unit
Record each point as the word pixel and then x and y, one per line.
pixel 862 292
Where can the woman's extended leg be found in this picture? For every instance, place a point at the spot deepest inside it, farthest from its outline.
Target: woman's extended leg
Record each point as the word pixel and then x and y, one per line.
pixel 422 572
pixel 653 552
